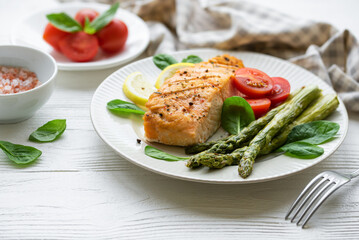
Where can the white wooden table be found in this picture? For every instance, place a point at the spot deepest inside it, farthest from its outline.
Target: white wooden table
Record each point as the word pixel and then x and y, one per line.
pixel 80 189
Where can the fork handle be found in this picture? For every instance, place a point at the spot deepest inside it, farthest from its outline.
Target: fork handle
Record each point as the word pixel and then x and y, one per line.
pixel 354 174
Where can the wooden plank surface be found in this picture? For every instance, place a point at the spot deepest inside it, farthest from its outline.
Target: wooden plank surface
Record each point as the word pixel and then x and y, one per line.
pixel 80 189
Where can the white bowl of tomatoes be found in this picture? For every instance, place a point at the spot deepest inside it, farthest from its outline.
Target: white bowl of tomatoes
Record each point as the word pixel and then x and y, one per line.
pixel 80 38
pixel 29 31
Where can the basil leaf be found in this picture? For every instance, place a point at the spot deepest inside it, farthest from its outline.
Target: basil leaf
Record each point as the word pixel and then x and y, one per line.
pixel 236 114
pixel 49 132
pixel 163 60
pixel 158 154
pixel 64 22
pixel 301 150
pixel 316 132
pixel 101 21
pixel 192 59
pixel 20 154
pixel 87 28
pixel 123 108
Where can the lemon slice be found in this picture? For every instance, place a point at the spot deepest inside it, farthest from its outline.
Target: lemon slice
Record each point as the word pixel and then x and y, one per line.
pixel 137 88
pixel 169 72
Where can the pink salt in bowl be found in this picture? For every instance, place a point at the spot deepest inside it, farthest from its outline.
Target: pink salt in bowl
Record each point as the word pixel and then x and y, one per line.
pixel 16 107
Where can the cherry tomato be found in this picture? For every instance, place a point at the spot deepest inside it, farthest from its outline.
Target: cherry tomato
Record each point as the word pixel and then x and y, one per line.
pixel 86 12
pixel 260 106
pixel 113 36
pixel 52 36
pixel 280 91
pixel 252 82
pixel 79 46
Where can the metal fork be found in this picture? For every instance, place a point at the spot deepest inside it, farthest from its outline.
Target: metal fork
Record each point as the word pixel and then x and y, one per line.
pixel 317 191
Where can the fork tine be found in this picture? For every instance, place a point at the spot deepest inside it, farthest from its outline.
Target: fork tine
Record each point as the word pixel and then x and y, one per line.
pixel 319 203
pixel 302 194
pixel 308 196
pixel 313 200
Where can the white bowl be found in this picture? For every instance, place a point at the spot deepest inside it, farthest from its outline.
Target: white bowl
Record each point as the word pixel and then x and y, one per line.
pixel 21 106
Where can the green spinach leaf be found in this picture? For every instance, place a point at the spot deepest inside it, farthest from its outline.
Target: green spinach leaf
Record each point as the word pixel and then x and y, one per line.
pixel 192 59
pixel 49 132
pixel 302 150
pixel 20 154
pixel 123 108
pixel 101 21
pixel 64 22
pixel 158 154
pixel 316 132
pixel 163 60
pixel 236 114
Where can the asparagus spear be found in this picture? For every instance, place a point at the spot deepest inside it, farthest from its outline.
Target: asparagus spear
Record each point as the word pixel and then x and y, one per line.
pixel 284 117
pixel 215 160
pixel 318 110
pixel 236 141
pixel 203 146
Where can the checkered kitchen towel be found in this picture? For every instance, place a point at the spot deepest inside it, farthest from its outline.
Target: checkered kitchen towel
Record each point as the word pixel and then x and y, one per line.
pixel 239 25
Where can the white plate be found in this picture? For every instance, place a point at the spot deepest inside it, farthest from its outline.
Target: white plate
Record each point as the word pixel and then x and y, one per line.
pixel 30 29
pixel 121 133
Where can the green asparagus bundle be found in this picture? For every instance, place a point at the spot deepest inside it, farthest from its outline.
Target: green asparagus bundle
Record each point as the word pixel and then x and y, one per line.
pixel 249 132
pixel 236 141
pixel 294 108
pixel 318 110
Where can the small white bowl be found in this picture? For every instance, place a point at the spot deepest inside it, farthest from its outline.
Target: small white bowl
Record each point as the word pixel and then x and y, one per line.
pixel 21 106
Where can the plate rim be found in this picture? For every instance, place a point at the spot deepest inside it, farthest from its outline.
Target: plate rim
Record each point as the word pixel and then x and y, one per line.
pixel 82 66
pixel 196 179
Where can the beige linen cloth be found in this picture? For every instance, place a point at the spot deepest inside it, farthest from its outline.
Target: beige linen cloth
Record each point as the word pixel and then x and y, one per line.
pixel 240 25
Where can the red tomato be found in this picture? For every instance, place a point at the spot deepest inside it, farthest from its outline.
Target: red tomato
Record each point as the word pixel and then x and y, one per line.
pixel 79 46
pixel 52 36
pixel 252 82
pixel 280 91
pixel 86 12
pixel 260 106
pixel 113 36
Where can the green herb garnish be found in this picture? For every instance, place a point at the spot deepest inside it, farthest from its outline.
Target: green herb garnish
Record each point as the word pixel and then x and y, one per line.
pixel 49 132
pixel 101 21
pixel 158 154
pixel 302 150
pixel 316 132
pixel 192 59
pixel 236 114
pixel 20 154
pixel 123 108
pixel 303 139
pixel 163 60
pixel 66 23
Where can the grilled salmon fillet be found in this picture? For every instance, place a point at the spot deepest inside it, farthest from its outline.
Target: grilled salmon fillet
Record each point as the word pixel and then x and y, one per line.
pixel 187 109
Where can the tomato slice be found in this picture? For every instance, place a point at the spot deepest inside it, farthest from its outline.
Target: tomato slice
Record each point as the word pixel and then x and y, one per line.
pixel 79 46
pixel 260 106
pixel 86 12
pixel 280 91
pixel 253 82
pixel 52 36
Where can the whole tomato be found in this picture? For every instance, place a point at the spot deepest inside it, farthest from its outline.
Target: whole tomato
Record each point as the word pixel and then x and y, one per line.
pixel 86 12
pixel 113 36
